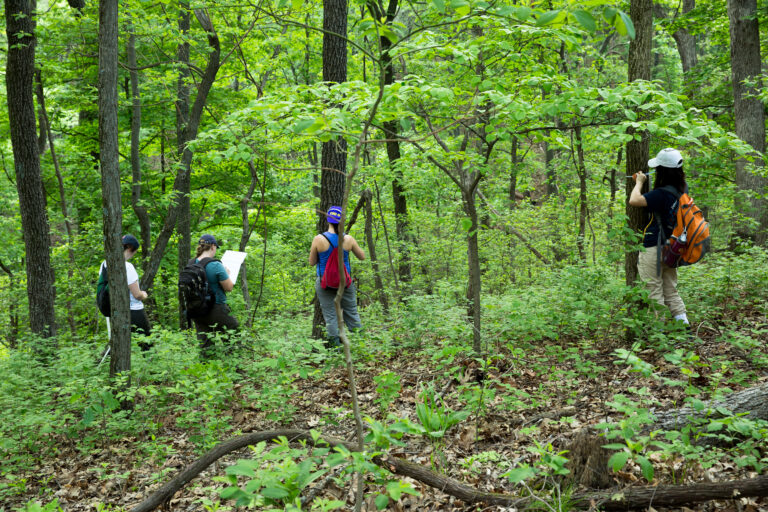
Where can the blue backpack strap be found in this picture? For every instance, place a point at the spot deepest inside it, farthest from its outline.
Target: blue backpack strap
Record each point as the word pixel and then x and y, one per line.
pixel 329 240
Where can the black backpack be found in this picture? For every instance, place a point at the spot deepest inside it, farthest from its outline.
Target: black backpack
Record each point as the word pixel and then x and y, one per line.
pixel 102 292
pixel 196 296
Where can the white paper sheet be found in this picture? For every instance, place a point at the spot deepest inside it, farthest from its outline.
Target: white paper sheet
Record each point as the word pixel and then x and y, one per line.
pixel 233 260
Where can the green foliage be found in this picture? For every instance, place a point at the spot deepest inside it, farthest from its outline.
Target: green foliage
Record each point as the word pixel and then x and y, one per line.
pixel 388 388
pixel 274 477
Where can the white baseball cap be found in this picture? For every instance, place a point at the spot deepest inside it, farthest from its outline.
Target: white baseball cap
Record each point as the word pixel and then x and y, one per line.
pixel 667 157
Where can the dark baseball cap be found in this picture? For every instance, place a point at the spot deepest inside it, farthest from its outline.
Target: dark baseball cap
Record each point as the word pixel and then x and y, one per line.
pixel 208 239
pixel 131 240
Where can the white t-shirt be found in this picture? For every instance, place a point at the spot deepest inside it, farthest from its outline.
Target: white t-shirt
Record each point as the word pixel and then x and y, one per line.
pixel 133 277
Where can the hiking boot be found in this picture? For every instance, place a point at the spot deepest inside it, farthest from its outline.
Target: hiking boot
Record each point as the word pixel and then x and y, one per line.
pixel 333 342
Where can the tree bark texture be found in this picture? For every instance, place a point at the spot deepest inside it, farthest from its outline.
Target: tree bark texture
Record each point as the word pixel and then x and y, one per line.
pixel 686 43
pixel 748 111
pixel 473 252
pixel 46 125
pixel 752 402
pixel 120 354
pixel 513 168
pixel 581 170
pixel 19 76
pixel 630 498
pixel 639 68
pixel 333 158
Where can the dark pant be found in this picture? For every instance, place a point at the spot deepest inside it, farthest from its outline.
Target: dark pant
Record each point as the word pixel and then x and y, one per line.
pixel 217 320
pixel 140 325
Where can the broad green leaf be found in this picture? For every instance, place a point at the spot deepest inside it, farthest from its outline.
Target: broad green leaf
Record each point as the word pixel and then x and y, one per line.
pixel 585 20
pixel 461 7
pixel 302 125
pixel 439 5
pixel 241 470
pixel 522 13
pixel 618 460
pixel 387 32
pixel 646 467
pixel 382 500
pixel 466 223
pixel 393 489
pixel 517 475
pixel 624 25
pixel 547 18
pixel 275 493
pixel 609 13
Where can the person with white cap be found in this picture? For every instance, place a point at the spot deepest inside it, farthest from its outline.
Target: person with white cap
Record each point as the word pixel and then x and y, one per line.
pixel 139 320
pixel 322 246
pixel 660 203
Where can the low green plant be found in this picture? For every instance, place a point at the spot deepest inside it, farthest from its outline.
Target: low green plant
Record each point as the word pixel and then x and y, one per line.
pixel 274 477
pixel 436 418
pixel 387 388
pixel 628 429
pixel 33 506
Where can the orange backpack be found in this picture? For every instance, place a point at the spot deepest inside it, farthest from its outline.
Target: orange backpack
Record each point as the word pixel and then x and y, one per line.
pixel 689 241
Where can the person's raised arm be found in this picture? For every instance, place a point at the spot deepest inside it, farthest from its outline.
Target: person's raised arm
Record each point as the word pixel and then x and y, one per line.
pixel 356 250
pixel 636 197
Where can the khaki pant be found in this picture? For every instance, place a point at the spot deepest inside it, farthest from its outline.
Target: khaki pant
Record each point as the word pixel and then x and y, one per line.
pixel 662 288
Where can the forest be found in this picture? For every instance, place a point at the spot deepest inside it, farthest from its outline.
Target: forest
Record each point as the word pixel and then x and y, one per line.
pixel 483 155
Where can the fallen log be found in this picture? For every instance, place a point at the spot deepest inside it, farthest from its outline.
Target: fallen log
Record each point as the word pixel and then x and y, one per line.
pixel 588 460
pixel 752 402
pixel 631 498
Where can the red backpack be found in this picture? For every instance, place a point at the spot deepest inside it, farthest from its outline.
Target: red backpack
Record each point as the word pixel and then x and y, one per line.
pixel 330 277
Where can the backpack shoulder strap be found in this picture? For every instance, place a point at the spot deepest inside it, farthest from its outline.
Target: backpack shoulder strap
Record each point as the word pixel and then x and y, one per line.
pixel 205 261
pixel 329 240
pixel 672 190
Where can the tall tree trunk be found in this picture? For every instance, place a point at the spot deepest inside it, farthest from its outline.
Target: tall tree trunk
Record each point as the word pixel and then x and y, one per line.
pixel 45 123
pixel 473 261
pixel 249 226
pixel 686 42
pixel 190 133
pixel 639 68
pixel 19 76
pixel 372 250
pixel 183 223
pixel 12 334
pixel 333 160
pixel 399 198
pixel 110 185
pixel 139 209
pixel 748 112
pixel 513 168
pixel 581 170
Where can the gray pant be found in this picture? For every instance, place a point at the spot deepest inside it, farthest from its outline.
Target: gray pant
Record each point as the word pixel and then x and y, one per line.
pixel 348 306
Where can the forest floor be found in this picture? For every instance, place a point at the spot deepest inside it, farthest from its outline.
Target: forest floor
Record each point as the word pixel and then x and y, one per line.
pixel 477 451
